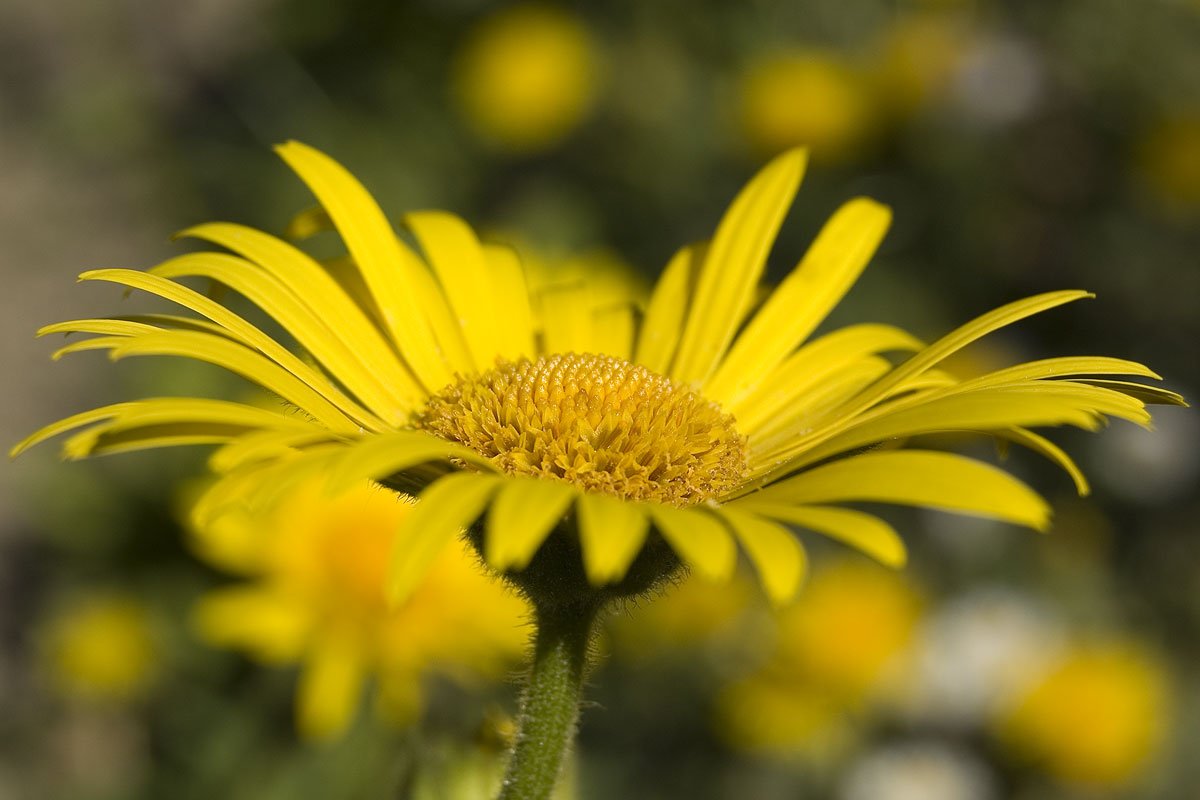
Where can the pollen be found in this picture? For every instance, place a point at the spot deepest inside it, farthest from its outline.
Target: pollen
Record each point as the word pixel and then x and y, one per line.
pixel 595 421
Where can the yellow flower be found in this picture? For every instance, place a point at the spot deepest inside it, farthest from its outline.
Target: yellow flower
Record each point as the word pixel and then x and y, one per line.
pixel 316 568
pixel 917 56
pixel 1169 157
pixel 526 77
pixel 102 647
pixel 805 98
pixel 686 617
pixel 832 653
pixel 722 423
pixel 1096 717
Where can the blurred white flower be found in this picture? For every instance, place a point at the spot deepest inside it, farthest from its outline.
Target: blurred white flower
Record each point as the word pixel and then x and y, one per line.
pixel 977 650
pixel 1150 467
pixel 1000 81
pixel 919 771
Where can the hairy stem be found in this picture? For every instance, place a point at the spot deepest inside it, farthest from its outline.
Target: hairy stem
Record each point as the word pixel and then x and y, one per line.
pixel 550 706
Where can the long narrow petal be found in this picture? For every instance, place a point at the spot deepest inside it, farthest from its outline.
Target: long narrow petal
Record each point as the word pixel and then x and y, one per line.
pixel 774 438
pixel 262 445
pixel 1146 394
pixel 458 260
pixel 827 271
pixel 339 356
pixel 864 532
pixel 443 511
pixel 565 311
pixel 813 364
pixel 611 532
pixel 665 315
pixel 699 538
pixel 238 328
pixel 1030 404
pixel 733 265
pixel 387 266
pixel 380 456
pixel 915 477
pixel 512 298
pixel 245 362
pixel 1047 448
pixel 613 331
pixel 775 552
pixel 524 513
pixel 313 285
pixel 330 687
pixel 272 627
pixel 1058 368
pixel 939 350
pixel 166 410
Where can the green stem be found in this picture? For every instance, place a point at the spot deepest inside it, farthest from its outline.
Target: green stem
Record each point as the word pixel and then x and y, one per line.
pixel 550 706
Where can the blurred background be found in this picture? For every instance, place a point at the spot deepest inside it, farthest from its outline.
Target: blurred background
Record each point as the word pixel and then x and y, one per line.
pixel 1025 147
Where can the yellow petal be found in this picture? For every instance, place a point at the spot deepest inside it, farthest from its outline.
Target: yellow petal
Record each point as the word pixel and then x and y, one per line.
pixel 699 538
pixel 1058 368
pixel 733 264
pixel 1146 394
pixel 958 339
pixel 915 477
pixel 387 266
pixel 330 688
pixel 383 455
pixel 827 271
pixel 308 223
pixel 458 259
pixel 613 331
pixel 812 364
pixel 238 328
pixel 611 532
pixel 314 334
pixel 525 511
pixel 262 445
pixel 664 320
pixel 272 627
pixel 1034 403
pixel 512 295
pixel 443 511
pixel 245 362
pixel 565 311
pixel 775 439
pixel 1040 444
pixel 316 288
pixel 864 532
pixel 774 551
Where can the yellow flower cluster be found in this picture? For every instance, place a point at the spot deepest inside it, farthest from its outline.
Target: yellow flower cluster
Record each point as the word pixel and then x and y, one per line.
pixel 315 569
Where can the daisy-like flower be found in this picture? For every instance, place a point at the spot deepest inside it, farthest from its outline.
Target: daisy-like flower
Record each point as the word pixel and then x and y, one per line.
pixel 588 450
pixel 703 422
pixel 314 596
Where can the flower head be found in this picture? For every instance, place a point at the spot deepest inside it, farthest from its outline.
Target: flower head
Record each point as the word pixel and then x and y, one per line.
pixel 102 647
pixel 526 77
pixel 1096 717
pixel 315 568
pixel 433 370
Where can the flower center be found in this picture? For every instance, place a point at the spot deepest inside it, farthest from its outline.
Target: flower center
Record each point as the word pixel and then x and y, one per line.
pixel 595 421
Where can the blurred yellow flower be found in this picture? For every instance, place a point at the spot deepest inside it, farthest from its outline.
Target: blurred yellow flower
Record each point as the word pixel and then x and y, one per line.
pixel 1096 717
pixel 832 654
pixel 526 77
pixel 1169 157
pixel 916 58
pixel 318 566
pixel 102 647
pixel 805 98
pixel 683 618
